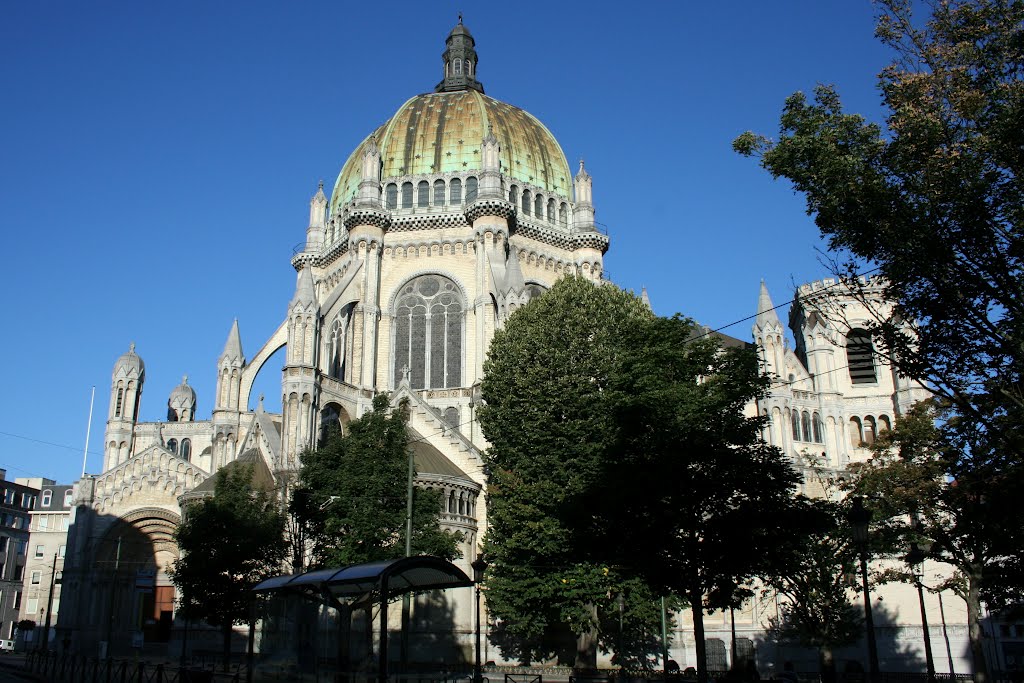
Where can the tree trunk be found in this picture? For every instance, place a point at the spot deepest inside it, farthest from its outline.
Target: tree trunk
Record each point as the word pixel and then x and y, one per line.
pixel 973 600
pixel 697 609
pixel 827 664
pixel 226 652
pixel 586 645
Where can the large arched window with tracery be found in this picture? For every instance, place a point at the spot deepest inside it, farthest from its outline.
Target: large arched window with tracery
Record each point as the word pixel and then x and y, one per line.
pixel 338 344
pixel 428 333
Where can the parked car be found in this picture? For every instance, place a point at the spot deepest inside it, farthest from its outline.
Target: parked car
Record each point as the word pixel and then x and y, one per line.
pixel 6 646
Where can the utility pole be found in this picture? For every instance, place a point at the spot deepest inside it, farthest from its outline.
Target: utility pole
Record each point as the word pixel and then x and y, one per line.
pixel 45 644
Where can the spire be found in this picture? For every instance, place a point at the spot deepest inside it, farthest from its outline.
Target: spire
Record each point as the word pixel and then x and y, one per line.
pixel 766 314
pixel 644 298
pixel 305 295
pixel 460 61
pixel 233 346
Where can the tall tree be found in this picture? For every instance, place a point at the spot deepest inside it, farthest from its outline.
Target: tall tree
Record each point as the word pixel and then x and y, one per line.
pixel 229 542
pixel 933 201
pixel 352 495
pixel 619 439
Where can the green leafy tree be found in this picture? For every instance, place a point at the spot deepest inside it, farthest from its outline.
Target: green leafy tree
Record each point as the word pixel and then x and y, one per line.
pixel 229 542
pixel 914 503
pixel 619 440
pixel 815 607
pixel 352 495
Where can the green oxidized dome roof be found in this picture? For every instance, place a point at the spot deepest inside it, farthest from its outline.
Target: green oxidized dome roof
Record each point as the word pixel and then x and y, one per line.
pixel 437 133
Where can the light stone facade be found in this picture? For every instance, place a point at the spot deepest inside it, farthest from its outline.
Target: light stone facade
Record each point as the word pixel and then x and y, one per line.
pixel 441 223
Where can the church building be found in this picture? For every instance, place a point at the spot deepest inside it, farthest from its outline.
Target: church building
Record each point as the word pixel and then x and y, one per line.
pixel 442 221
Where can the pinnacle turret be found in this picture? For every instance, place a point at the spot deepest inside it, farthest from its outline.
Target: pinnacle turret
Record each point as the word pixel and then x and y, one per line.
pixel 460 61
pixel 766 314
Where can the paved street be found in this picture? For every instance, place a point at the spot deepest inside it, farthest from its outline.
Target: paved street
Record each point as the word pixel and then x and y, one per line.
pixel 11 669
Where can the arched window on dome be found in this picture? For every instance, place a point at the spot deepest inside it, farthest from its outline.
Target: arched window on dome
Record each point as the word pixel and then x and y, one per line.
pixel 391 196
pixel 538 207
pixel 860 357
pixel 526 203
pixel 805 422
pixel 795 419
pixel 551 211
pixel 457 67
pixel 172 446
pixel 406 195
pixel 455 191
pixel 469 67
pixel 513 195
pixel 428 333
pixel 438 192
pixel 563 215
pixel 186 449
pixel 816 423
pixel 423 194
pixel 471 188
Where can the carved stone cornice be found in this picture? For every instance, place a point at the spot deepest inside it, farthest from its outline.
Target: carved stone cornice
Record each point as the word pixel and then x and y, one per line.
pixel 491 207
pixel 367 215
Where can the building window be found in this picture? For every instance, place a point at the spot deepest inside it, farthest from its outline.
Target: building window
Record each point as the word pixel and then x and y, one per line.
pixel 17 600
pixel 40 550
pixel 44 522
pixel 457 67
pixel 186 448
pixel 406 195
pixel 563 215
pixel 438 193
pixel 538 207
pixel 451 416
pixel 36 577
pixel 817 429
pixel 471 188
pixel 391 196
pixel 455 191
pixel 61 551
pixel 805 422
pixel 860 357
pixel 21 546
pixel 47 497
pixel 4 542
pixel 513 193
pixel 423 194
pixel 172 446
pixel 9 496
pixel 67 497
pixel 33 605
pixel 525 204
pixel 19 572
pixel 795 419
pixel 856 435
pixel 64 523
pixel 120 401
pixel 883 424
pixel 428 333
pixel 551 211
pixel 869 430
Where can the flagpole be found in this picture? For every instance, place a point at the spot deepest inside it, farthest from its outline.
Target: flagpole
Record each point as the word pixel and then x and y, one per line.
pixel 88 428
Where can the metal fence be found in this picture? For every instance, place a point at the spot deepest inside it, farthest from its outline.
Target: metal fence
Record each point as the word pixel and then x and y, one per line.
pixel 63 668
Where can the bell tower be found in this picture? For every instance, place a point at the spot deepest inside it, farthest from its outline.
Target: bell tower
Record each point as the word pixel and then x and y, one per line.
pixel 125 395
pixel 460 61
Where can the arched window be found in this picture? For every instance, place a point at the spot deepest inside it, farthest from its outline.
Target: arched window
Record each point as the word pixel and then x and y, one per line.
pixel 439 192
pixel 406 195
pixel 120 401
pixel 186 449
pixel 816 423
pixel 856 434
pixel 526 203
pixel 457 67
pixel 551 211
pixel 538 207
pixel 869 430
pixel 563 215
pixel 455 191
pixel 883 424
pixel 172 446
pixel 423 194
pixel 795 419
pixel 471 188
pixel 469 67
pixel 533 290
pixel 451 416
pixel 513 195
pixel 451 502
pixel 47 496
pixel 428 333
pixel 806 424
pixel 391 195
pixel 860 357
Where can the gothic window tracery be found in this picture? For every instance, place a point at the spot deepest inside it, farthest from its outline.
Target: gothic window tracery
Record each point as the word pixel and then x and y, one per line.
pixel 795 419
pixel 337 345
pixel 805 422
pixel 428 333
pixel 816 423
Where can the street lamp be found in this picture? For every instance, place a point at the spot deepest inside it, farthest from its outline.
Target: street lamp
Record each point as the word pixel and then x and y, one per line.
pixel 479 565
pixel 915 558
pixel 860 517
pixel 620 602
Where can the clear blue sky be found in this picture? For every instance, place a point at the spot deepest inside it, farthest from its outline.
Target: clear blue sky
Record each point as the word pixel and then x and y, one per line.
pixel 156 162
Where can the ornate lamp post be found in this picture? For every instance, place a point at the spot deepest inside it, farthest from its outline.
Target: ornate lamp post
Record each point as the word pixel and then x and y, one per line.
pixel 479 565
pixel 859 518
pixel 915 558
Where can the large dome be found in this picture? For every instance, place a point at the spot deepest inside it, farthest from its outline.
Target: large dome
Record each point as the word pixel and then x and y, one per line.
pixel 440 133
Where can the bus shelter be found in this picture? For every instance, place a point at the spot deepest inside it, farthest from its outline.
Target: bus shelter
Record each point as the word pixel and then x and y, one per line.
pixel 380 582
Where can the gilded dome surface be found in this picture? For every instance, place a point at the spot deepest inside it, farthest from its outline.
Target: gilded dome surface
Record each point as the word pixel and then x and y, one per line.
pixel 440 133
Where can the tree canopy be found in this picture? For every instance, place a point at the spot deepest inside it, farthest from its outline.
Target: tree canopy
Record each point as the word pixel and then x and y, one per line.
pixel 229 542
pixel 620 449
pixel 352 495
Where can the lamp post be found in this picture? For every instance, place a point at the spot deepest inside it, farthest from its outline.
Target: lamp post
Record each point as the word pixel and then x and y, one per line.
pixel 45 645
pixel 620 602
pixel 479 565
pixel 859 518
pixel 915 558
